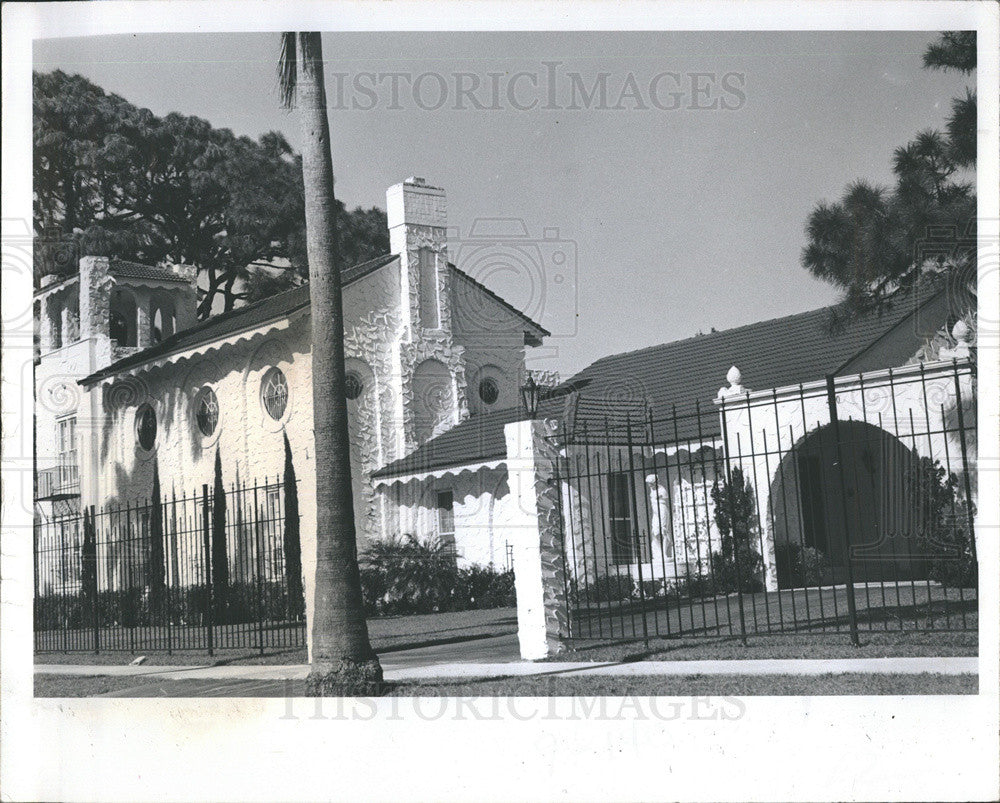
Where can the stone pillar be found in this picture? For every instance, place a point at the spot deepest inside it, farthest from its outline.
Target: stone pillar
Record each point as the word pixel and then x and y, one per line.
pixel 536 533
pixel 49 327
pixel 144 319
pixel 754 464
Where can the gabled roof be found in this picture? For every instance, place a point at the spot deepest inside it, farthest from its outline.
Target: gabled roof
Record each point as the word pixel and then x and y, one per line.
pixel 250 316
pixel 682 376
pixel 538 330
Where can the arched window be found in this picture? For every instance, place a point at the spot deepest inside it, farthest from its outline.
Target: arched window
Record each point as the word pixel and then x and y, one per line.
pixel 123 318
pixel 145 427
pixel 158 326
pixel 207 411
pixel 274 393
pixel 119 328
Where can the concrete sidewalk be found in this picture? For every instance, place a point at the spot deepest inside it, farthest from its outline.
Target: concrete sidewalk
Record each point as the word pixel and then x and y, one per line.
pixel 400 672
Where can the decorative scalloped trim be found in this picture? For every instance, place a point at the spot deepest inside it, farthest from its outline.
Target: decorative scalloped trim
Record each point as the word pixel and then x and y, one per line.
pixel 452 471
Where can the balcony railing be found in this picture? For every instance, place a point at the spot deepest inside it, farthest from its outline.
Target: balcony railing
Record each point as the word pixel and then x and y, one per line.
pixel 58 482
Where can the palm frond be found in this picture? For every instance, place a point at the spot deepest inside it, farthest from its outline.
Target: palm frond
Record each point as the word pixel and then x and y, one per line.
pixel 955 50
pixel 288 66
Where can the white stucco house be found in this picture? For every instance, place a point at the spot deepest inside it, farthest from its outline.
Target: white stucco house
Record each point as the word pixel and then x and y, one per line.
pixel 127 378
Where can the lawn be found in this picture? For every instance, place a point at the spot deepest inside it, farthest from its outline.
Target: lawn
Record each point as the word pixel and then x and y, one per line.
pixel 918 606
pixel 388 634
pixel 696 685
pixel 791 645
pixel 540 686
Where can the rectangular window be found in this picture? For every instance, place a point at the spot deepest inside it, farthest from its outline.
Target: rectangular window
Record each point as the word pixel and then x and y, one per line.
pixel 274 548
pixel 620 519
pixel 446 517
pixel 430 315
pixel 69 472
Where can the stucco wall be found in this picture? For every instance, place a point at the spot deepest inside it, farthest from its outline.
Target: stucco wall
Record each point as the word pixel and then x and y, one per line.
pixel 481 511
pixel 915 407
pixel 669 504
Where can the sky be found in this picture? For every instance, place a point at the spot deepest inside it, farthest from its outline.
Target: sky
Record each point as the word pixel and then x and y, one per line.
pixel 675 204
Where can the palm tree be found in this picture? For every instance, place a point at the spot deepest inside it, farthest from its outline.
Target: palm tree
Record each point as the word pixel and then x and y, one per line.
pixel 343 661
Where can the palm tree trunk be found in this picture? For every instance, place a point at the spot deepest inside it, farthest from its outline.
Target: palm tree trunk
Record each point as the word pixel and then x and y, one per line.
pixel 343 661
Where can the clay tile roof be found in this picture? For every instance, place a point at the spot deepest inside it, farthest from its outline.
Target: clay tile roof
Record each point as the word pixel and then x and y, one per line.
pixel 135 270
pixel 683 376
pixel 477 439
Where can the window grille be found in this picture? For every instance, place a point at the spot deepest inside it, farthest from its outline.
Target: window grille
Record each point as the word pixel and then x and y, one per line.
pixel 274 393
pixel 207 412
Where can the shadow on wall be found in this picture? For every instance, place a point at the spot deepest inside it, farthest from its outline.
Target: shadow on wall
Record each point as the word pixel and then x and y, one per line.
pixel 818 503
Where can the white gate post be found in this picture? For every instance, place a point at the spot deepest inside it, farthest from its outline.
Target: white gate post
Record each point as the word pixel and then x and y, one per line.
pixel 536 532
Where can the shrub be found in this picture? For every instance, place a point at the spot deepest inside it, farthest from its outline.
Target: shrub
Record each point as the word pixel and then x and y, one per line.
pixel 738 565
pixel 408 576
pixel 481 587
pixel 651 589
pixel 693 587
pixel 798 566
pixel 943 512
pixel 132 607
pixel 609 588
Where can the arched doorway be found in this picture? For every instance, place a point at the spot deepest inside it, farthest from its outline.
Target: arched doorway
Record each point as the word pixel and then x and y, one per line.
pixel 826 495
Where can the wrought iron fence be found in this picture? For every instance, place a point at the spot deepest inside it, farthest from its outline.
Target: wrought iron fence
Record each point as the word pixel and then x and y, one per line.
pixel 837 506
pixel 204 571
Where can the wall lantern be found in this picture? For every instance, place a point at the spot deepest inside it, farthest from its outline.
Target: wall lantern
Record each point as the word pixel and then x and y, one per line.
pixel 530 394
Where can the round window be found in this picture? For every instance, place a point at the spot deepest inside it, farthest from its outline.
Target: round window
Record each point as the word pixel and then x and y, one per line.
pixel 489 390
pixel 145 427
pixel 207 411
pixel 274 393
pixel 353 386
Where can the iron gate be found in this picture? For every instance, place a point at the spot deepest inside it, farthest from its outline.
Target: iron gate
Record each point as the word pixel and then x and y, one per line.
pixel 840 506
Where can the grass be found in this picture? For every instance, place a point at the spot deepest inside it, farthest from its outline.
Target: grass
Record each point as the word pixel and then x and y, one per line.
pixel 896 608
pixel 792 645
pixel 79 686
pixel 59 686
pixel 388 634
pixel 696 685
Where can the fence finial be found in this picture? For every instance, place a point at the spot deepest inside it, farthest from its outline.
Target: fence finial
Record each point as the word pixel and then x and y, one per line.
pixel 735 378
pixel 960 331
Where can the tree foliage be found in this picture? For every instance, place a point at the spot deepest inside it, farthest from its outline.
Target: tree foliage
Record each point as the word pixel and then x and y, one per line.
pixel 737 565
pixel 220 552
pixel 292 543
pixel 156 567
pixel 117 180
pixel 942 514
pixel 874 240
